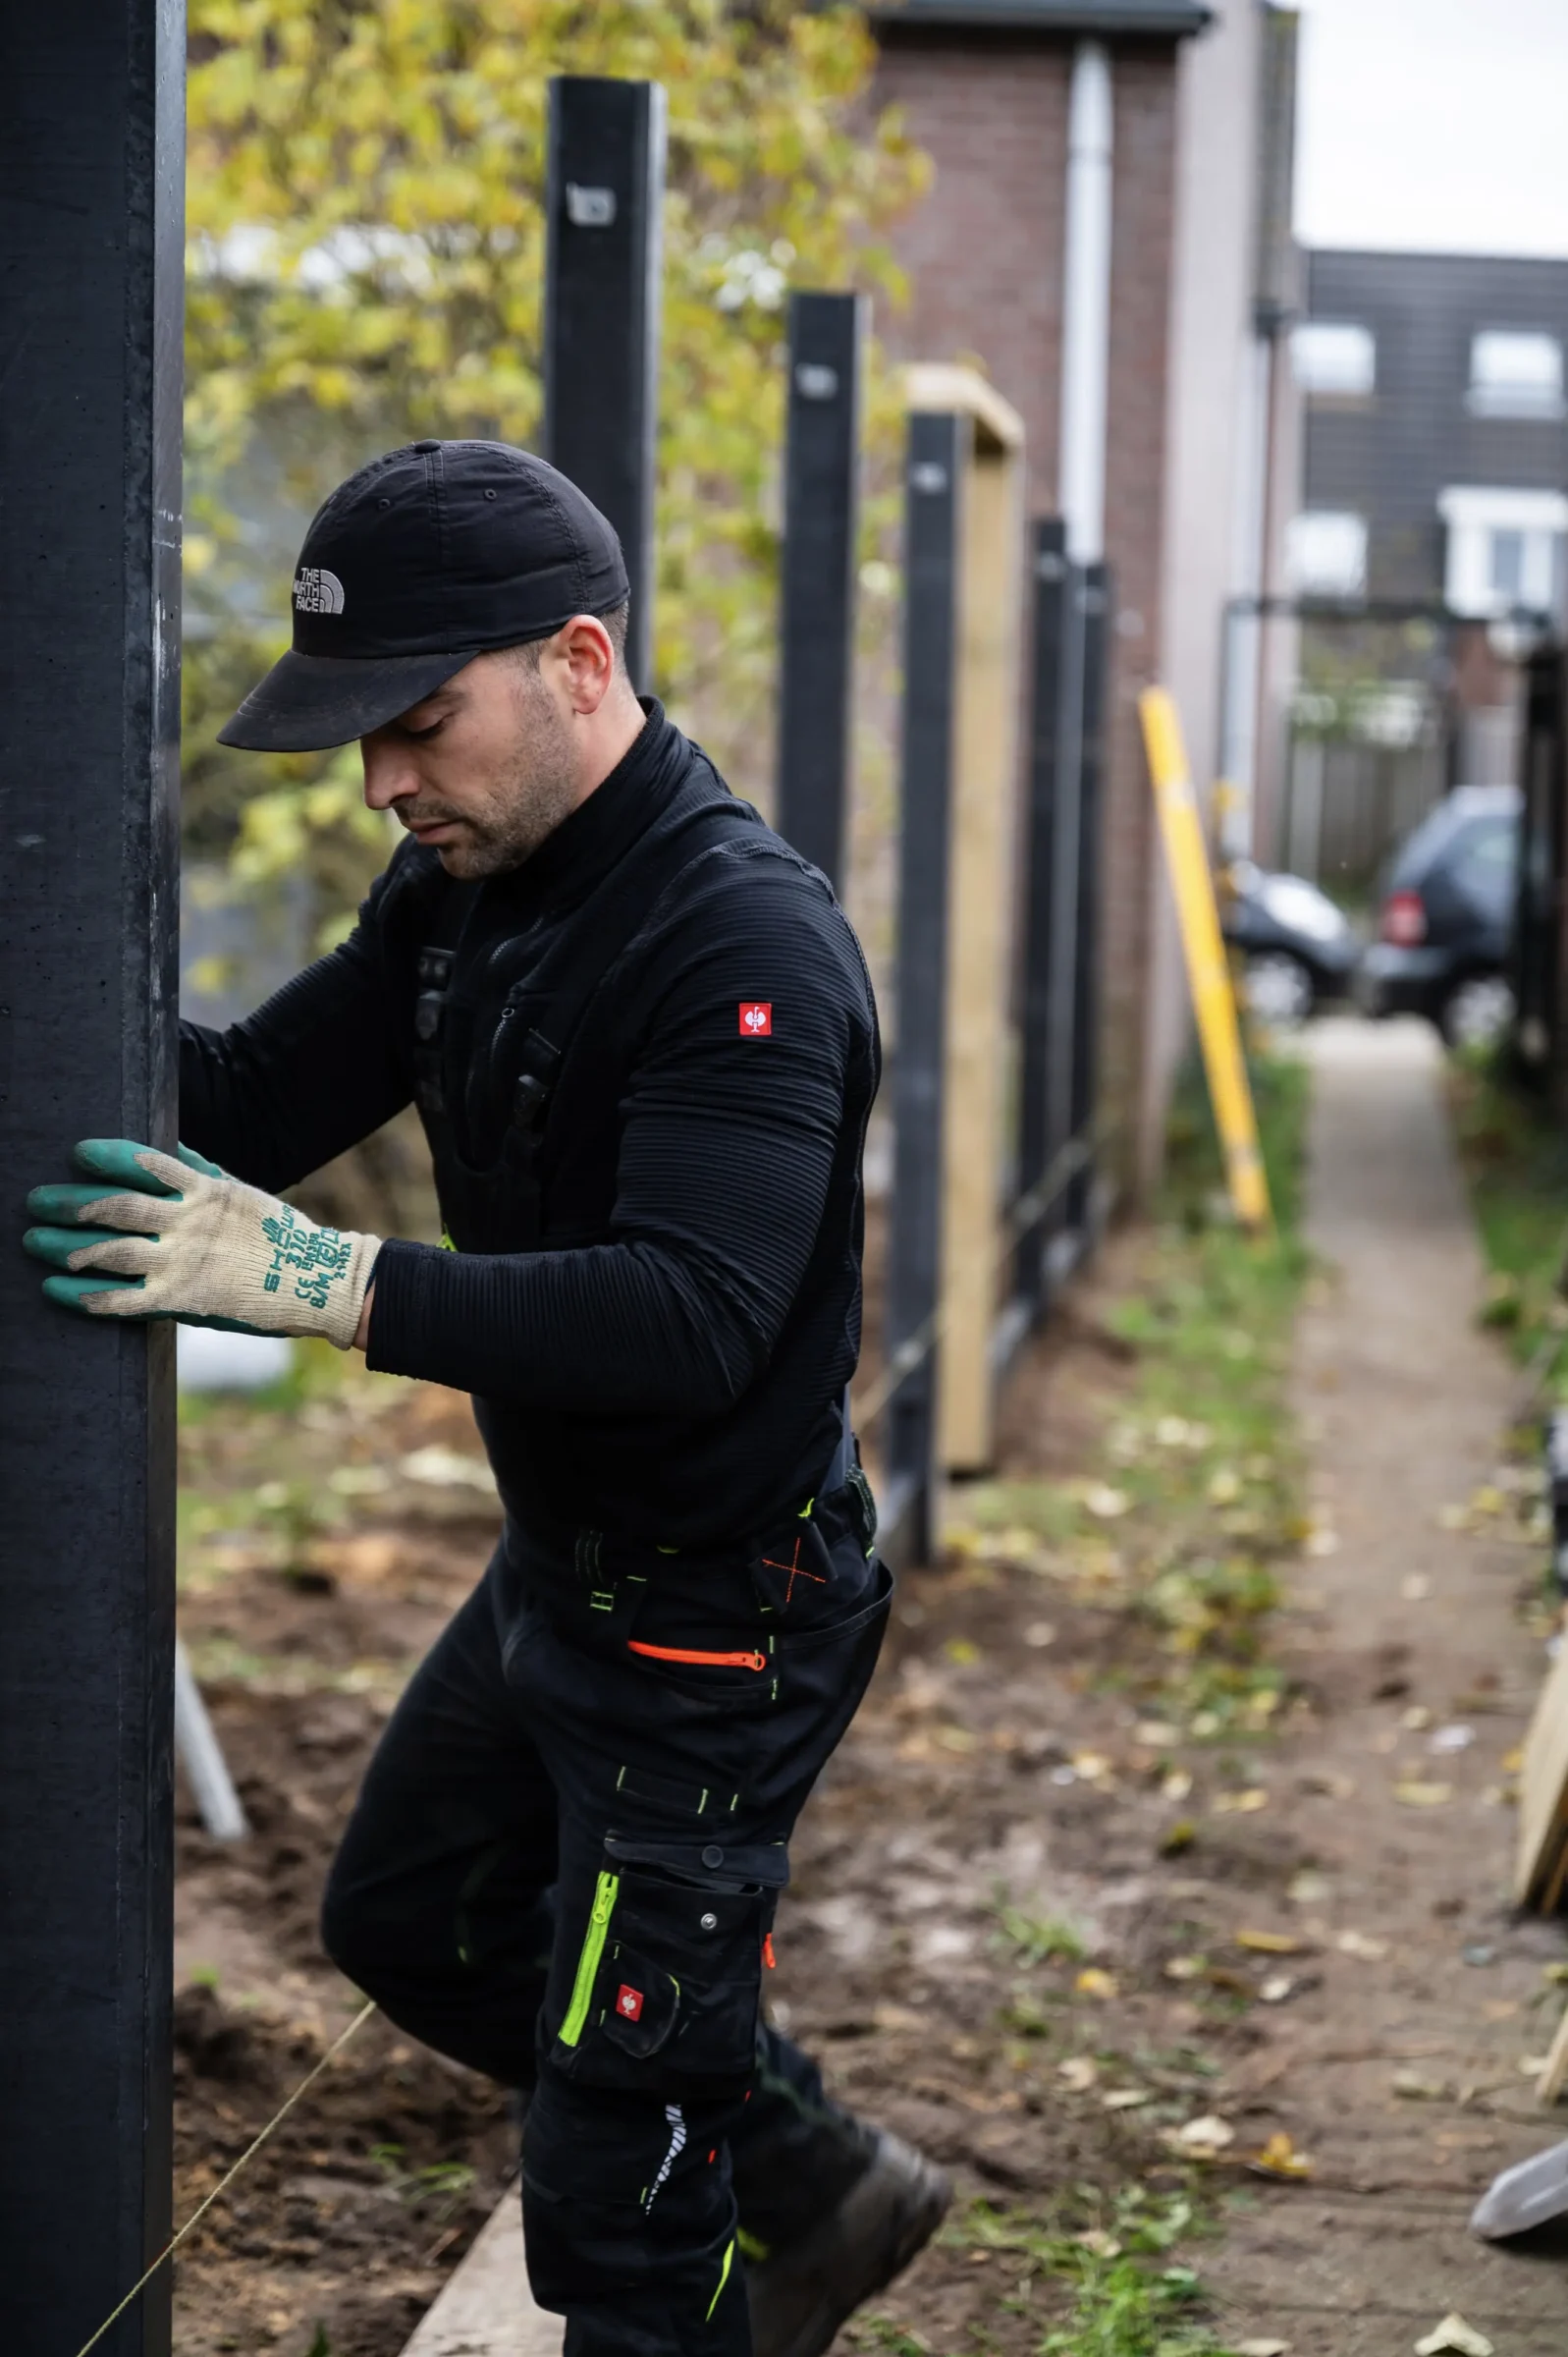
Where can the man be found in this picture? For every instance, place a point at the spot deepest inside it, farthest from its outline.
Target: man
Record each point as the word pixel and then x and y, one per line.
pixel 642 1042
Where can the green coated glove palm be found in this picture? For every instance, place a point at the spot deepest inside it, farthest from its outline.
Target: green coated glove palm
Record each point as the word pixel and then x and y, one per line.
pixel 174 1236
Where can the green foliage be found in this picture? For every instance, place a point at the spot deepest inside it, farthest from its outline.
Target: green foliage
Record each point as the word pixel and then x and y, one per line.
pixel 1033 1938
pixel 366 260
pixel 1102 2250
pixel 440 2188
pixel 1513 1150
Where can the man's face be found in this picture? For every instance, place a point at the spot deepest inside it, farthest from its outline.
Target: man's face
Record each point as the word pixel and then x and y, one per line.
pixel 484 769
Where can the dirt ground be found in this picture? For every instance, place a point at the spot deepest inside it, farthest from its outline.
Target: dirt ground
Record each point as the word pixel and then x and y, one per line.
pixel 1103 1963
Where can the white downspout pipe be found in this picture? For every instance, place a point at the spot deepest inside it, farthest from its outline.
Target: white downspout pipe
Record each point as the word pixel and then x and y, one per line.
pixel 1086 306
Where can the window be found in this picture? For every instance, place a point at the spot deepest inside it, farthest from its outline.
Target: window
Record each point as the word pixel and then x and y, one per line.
pixel 1332 357
pixel 1505 551
pixel 1515 375
pixel 1328 553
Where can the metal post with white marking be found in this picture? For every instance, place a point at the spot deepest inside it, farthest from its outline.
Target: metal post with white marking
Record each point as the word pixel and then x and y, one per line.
pixel 817 588
pixel 602 266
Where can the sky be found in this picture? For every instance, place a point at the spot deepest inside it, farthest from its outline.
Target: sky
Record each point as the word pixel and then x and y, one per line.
pixel 1439 125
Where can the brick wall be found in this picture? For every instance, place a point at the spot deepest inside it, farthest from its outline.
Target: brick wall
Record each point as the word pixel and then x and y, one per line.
pixel 984 253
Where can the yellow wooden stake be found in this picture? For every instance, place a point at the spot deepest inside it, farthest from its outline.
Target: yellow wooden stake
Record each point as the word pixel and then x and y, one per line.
pixel 1207 973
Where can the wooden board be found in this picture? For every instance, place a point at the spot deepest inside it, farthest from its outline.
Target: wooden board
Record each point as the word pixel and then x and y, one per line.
pixel 983 825
pixel 1543 1795
pixel 487 2309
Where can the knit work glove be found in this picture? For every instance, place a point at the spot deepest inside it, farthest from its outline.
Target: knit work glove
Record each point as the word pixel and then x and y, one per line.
pixel 197 1244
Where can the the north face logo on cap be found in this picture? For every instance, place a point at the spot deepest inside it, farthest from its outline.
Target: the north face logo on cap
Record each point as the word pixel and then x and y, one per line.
pixel 317 591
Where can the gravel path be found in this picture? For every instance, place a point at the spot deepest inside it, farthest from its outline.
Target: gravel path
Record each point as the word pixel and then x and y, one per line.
pixel 1400 2072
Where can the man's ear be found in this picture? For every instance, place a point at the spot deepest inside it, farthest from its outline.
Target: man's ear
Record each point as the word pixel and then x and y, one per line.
pixel 589 655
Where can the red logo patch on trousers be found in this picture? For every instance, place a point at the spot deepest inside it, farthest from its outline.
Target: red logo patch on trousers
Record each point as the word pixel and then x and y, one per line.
pixel 756 1018
pixel 628 2002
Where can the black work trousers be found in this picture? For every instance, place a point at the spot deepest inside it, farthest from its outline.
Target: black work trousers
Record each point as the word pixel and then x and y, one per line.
pixel 563 1870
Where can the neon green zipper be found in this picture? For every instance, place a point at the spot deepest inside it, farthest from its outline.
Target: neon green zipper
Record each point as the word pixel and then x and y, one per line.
pixel 724 2277
pixel 593 1947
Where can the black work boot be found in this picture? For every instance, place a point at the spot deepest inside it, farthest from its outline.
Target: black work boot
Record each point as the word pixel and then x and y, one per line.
pixel 801 2293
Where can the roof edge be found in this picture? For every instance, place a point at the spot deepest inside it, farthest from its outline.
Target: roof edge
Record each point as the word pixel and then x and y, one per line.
pixel 1174 19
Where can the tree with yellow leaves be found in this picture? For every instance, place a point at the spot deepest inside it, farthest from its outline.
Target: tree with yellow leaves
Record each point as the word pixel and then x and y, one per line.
pixel 366 249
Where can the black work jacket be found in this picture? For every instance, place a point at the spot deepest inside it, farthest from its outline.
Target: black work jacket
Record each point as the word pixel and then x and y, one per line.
pixel 654 1293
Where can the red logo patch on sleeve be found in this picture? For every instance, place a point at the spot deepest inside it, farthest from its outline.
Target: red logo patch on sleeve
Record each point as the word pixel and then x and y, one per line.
pixel 628 2002
pixel 756 1018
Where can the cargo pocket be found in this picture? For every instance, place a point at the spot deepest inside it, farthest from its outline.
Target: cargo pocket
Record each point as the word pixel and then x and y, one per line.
pixel 669 1979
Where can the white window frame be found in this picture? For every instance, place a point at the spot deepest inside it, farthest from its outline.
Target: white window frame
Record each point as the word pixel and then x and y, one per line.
pixel 1312 534
pixel 1473 513
pixel 1494 392
pixel 1334 358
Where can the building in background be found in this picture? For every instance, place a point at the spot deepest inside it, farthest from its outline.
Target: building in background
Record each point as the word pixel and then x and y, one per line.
pixel 1431 535
pixel 1136 328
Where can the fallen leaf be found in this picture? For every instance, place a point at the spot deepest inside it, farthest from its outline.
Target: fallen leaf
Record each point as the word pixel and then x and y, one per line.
pixel 1322 1542
pixel 1093 1982
pixel 1309 1888
pixel 1262 2348
pixel 1178 1837
pixel 1276 1988
pixel 1205 2136
pixel 1040 1634
pixel 1092 1766
pixel 1414 1795
pixel 1097 2240
pixel 1184 1968
pixel 1415 1587
pixel 1279 2157
pixel 1224 1487
pixel 1357 1944
pixel 1417 2089
pixel 1176 1785
pixel 1512 1761
pixel 1124 2099
pixel 1240 1804
pixel 1158 1734
pixel 1456 1738
pixel 1079 2072
pixel 1451 1518
pixel 1107 1504
pixel 1454 2334
pixel 1415 1718
pixel 1269 1943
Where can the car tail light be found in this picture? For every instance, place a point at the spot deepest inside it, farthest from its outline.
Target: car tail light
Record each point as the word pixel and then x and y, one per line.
pixel 1404 919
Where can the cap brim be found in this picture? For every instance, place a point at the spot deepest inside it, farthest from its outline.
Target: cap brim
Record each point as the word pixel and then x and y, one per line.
pixel 308 703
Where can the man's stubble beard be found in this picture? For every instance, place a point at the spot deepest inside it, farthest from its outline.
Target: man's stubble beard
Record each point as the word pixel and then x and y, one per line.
pixel 527 801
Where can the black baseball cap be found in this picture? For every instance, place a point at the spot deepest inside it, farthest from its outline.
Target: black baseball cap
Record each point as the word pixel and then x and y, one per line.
pixel 424 559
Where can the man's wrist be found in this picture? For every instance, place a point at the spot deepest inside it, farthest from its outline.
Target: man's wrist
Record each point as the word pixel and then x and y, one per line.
pixel 361 1332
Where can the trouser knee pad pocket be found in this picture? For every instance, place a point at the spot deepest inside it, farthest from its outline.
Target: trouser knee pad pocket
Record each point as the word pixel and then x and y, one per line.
pixel 669 1979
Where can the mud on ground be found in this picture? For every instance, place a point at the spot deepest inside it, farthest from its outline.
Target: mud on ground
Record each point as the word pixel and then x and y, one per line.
pixel 1130 1966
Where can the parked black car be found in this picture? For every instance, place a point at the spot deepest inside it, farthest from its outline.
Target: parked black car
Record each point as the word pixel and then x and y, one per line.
pixel 1446 915
pixel 1297 945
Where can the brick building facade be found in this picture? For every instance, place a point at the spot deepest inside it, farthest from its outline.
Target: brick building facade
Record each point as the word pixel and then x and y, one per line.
pixel 984 91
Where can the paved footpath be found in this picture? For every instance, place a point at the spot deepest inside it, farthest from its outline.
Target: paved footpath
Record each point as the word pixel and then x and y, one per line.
pixel 1399 2071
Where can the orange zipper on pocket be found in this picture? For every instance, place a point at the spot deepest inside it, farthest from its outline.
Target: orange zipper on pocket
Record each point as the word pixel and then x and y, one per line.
pixel 705 1660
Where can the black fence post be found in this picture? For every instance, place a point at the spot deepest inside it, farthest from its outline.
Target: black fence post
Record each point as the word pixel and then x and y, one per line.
pixel 914 1248
pixel 1051 570
pixel 92 254
pixel 601 326
pixel 817 620
pixel 1099 607
pixel 1536 951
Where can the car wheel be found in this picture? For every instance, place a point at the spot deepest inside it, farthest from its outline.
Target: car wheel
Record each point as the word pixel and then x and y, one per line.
pixel 1477 1012
pixel 1279 990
